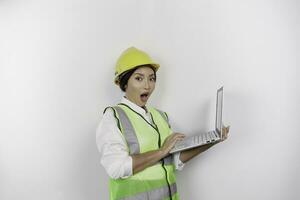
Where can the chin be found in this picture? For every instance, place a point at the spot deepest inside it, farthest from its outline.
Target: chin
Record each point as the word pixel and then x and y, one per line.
pixel 143 104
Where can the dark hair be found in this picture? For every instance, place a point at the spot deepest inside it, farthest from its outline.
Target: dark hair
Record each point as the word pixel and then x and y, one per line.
pixel 124 77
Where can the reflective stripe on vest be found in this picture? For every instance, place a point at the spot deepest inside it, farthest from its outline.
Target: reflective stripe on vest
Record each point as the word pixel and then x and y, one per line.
pixel 130 136
pixel 164 116
pixel 168 160
pixel 158 193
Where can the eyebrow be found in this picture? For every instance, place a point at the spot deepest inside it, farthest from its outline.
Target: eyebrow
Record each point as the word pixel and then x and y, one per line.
pixel 142 74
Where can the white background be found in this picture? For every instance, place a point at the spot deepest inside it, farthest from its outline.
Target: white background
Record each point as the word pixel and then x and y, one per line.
pixel 56 76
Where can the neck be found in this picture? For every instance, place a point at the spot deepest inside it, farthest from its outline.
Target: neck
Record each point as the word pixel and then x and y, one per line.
pixel 144 107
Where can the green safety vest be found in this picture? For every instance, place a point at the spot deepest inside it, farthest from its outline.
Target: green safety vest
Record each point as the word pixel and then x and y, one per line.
pixel 157 182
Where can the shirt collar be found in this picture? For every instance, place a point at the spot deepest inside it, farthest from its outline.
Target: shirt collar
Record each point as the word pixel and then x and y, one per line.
pixel 133 106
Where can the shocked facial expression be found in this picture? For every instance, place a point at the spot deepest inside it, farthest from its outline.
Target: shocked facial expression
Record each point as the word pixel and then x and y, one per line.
pixel 141 85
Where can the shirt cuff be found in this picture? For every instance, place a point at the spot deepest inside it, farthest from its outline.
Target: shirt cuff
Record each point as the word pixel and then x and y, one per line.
pixel 177 162
pixel 127 168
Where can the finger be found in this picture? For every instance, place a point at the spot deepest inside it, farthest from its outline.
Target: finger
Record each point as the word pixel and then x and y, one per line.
pixel 173 138
pixel 227 132
pixel 228 127
pixel 172 143
pixel 179 134
pixel 224 131
pixel 226 135
pixel 178 137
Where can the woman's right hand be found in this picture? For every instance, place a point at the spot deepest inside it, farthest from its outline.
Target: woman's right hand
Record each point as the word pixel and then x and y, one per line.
pixel 170 141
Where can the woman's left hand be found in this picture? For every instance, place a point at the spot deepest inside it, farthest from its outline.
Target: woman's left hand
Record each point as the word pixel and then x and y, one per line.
pixel 225 131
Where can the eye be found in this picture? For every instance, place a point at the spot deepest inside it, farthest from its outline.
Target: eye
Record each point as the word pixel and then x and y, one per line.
pixel 153 79
pixel 138 78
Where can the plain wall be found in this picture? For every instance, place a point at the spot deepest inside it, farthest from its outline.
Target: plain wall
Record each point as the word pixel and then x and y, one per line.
pixel 56 77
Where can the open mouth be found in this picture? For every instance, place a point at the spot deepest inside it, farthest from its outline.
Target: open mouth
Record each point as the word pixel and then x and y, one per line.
pixel 145 96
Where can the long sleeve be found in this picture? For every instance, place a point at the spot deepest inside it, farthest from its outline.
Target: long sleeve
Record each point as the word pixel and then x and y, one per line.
pixel 113 148
pixel 177 162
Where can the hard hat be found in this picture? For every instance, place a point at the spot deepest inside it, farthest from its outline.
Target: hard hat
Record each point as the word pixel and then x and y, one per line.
pixel 131 58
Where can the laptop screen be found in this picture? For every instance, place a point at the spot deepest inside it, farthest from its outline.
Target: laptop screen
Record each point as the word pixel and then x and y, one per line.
pixel 219 110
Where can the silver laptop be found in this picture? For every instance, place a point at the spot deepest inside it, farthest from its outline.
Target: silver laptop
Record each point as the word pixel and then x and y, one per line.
pixel 204 138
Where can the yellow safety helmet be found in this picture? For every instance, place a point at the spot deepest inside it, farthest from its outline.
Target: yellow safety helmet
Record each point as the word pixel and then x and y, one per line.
pixel 131 58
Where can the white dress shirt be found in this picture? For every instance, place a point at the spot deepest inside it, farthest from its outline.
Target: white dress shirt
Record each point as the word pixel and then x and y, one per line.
pixel 112 145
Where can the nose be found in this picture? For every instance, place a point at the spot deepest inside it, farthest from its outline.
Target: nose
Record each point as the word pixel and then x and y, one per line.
pixel 147 84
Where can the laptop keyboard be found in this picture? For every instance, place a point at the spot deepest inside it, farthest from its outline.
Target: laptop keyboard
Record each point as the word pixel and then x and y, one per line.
pixel 207 137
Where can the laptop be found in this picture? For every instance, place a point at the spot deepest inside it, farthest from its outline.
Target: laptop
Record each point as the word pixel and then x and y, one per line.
pixel 190 142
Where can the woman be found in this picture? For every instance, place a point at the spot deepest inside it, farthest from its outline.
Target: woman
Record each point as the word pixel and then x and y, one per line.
pixel 135 140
